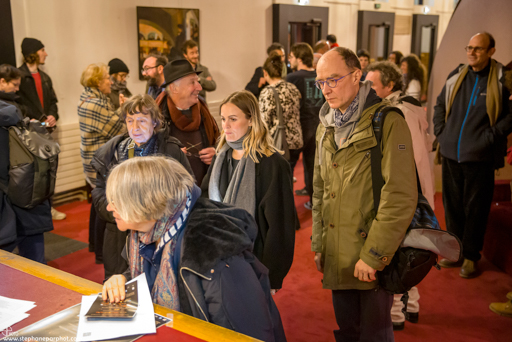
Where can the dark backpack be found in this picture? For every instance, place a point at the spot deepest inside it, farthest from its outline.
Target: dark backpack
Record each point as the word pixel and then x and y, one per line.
pixel 33 158
pixel 424 239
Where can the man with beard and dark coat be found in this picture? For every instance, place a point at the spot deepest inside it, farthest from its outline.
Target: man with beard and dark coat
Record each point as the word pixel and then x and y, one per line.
pixel 153 72
pixel 119 73
pixel 187 117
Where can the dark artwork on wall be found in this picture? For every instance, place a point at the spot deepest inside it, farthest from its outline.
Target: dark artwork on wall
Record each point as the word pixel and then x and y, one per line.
pixel 164 30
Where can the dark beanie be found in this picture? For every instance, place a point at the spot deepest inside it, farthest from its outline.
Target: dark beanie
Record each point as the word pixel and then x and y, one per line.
pixel 116 65
pixel 30 45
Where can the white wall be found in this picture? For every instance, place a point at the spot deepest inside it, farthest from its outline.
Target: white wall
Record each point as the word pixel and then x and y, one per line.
pixel 234 35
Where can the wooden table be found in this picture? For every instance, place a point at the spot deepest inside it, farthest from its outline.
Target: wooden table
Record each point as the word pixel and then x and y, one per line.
pixel 54 290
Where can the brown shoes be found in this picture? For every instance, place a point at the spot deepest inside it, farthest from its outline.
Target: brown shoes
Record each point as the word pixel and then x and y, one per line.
pixel 469 269
pixel 502 309
pixel 445 263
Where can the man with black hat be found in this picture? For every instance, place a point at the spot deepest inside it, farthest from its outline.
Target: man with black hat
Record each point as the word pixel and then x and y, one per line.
pixel 36 90
pixel 187 117
pixel 119 74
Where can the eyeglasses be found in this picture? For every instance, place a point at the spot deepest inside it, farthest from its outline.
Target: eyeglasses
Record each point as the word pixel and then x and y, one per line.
pixel 477 49
pixel 331 82
pixel 148 68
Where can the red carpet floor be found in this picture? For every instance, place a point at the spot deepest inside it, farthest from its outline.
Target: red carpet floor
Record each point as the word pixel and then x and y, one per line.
pixel 452 309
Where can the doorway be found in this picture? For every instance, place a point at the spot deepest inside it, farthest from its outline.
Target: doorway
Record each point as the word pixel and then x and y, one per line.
pixel 424 38
pixel 310 32
pixel 296 24
pixel 375 33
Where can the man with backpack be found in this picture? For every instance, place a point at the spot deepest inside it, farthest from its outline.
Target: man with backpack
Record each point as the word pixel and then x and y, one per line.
pixel 19 227
pixel 387 82
pixel 350 240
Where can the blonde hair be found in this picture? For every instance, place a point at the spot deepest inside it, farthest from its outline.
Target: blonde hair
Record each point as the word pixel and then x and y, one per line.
pixel 143 104
pixel 258 141
pixel 93 74
pixel 147 188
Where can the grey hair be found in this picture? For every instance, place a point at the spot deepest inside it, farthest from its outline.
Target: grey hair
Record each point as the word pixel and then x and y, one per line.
pixel 147 188
pixel 389 72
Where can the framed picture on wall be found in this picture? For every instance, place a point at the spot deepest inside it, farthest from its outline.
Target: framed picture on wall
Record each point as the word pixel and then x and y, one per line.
pixel 164 30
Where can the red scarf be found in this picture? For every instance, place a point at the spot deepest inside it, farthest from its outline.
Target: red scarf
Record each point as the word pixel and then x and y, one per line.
pixel 184 124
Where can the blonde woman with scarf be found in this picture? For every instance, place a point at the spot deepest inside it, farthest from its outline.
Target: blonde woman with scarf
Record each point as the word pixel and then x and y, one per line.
pixel 251 174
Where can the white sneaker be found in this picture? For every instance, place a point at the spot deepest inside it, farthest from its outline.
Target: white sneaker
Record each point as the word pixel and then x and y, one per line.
pixel 294 180
pixel 57 215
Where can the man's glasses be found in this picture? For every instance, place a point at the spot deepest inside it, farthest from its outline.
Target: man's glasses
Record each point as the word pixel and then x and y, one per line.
pixel 331 82
pixel 148 68
pixel 477 49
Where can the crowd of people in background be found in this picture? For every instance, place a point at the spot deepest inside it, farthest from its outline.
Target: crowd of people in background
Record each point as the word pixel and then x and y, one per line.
pixel 209 207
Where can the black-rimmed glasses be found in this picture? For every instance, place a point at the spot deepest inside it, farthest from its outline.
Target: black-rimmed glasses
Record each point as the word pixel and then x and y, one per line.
pixel 331 82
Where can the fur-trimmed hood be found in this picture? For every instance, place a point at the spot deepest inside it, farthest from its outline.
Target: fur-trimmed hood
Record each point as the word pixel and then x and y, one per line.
pixel 215 231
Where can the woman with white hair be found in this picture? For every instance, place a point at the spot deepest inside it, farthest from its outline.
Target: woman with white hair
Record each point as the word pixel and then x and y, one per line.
pixel 251 174
pixel 195 253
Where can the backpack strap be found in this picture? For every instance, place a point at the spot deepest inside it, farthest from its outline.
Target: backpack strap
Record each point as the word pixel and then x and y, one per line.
pixel 279 110
pixel 410 99
pixel 376 153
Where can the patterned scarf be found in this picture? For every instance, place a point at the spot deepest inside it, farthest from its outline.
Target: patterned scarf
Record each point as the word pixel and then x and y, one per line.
pixel 165 288
pixel 147 149
pixel 340 119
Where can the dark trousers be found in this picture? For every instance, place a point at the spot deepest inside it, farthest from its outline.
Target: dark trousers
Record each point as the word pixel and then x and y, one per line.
pixel 294 157
pixel 30 247
pixel 308 156
pixel 363 315
pixel 468 189
pixel 96 233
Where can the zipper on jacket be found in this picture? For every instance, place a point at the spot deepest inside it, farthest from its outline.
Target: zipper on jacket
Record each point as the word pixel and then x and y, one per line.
pixel 366 156
pixel 466 117
pixel 188 288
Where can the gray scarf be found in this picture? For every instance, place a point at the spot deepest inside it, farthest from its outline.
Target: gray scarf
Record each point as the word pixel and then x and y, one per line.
pixel 241 190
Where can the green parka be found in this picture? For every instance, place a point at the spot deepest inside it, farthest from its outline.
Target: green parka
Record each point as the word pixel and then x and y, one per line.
pixel 345 227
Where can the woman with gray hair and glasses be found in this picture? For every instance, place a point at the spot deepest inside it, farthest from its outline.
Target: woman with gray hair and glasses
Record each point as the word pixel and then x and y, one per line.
pixel 145 137
pixel 195 253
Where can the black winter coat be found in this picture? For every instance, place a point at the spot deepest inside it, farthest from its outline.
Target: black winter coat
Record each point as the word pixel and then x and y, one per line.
pixel 276 215
pixel 30 99
pixel 106 158
pixel 219 279
pixel 24 222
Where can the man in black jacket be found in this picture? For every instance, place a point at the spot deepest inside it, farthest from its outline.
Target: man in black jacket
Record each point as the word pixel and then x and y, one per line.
pixel 472 119
pixel 36 90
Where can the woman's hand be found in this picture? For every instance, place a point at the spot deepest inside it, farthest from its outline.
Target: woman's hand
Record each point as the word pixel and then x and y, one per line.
pixel 113 289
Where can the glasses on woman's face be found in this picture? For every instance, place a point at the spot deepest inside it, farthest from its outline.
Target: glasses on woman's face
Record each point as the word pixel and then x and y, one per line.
pixel 331 82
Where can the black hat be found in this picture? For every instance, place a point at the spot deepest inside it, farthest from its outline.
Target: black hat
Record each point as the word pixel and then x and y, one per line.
pixel 116 65
pixel 30 45
pixel 177 69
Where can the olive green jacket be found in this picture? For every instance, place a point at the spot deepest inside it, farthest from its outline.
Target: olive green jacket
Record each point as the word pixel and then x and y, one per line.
pixel 345 227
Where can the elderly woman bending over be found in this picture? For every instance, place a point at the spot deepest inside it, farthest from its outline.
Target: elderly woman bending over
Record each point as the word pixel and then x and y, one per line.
pixel 195 253
pixel 250 173
pixel 145 137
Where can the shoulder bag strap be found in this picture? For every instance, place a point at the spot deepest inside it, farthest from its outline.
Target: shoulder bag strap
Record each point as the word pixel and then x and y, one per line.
pixel 279 109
